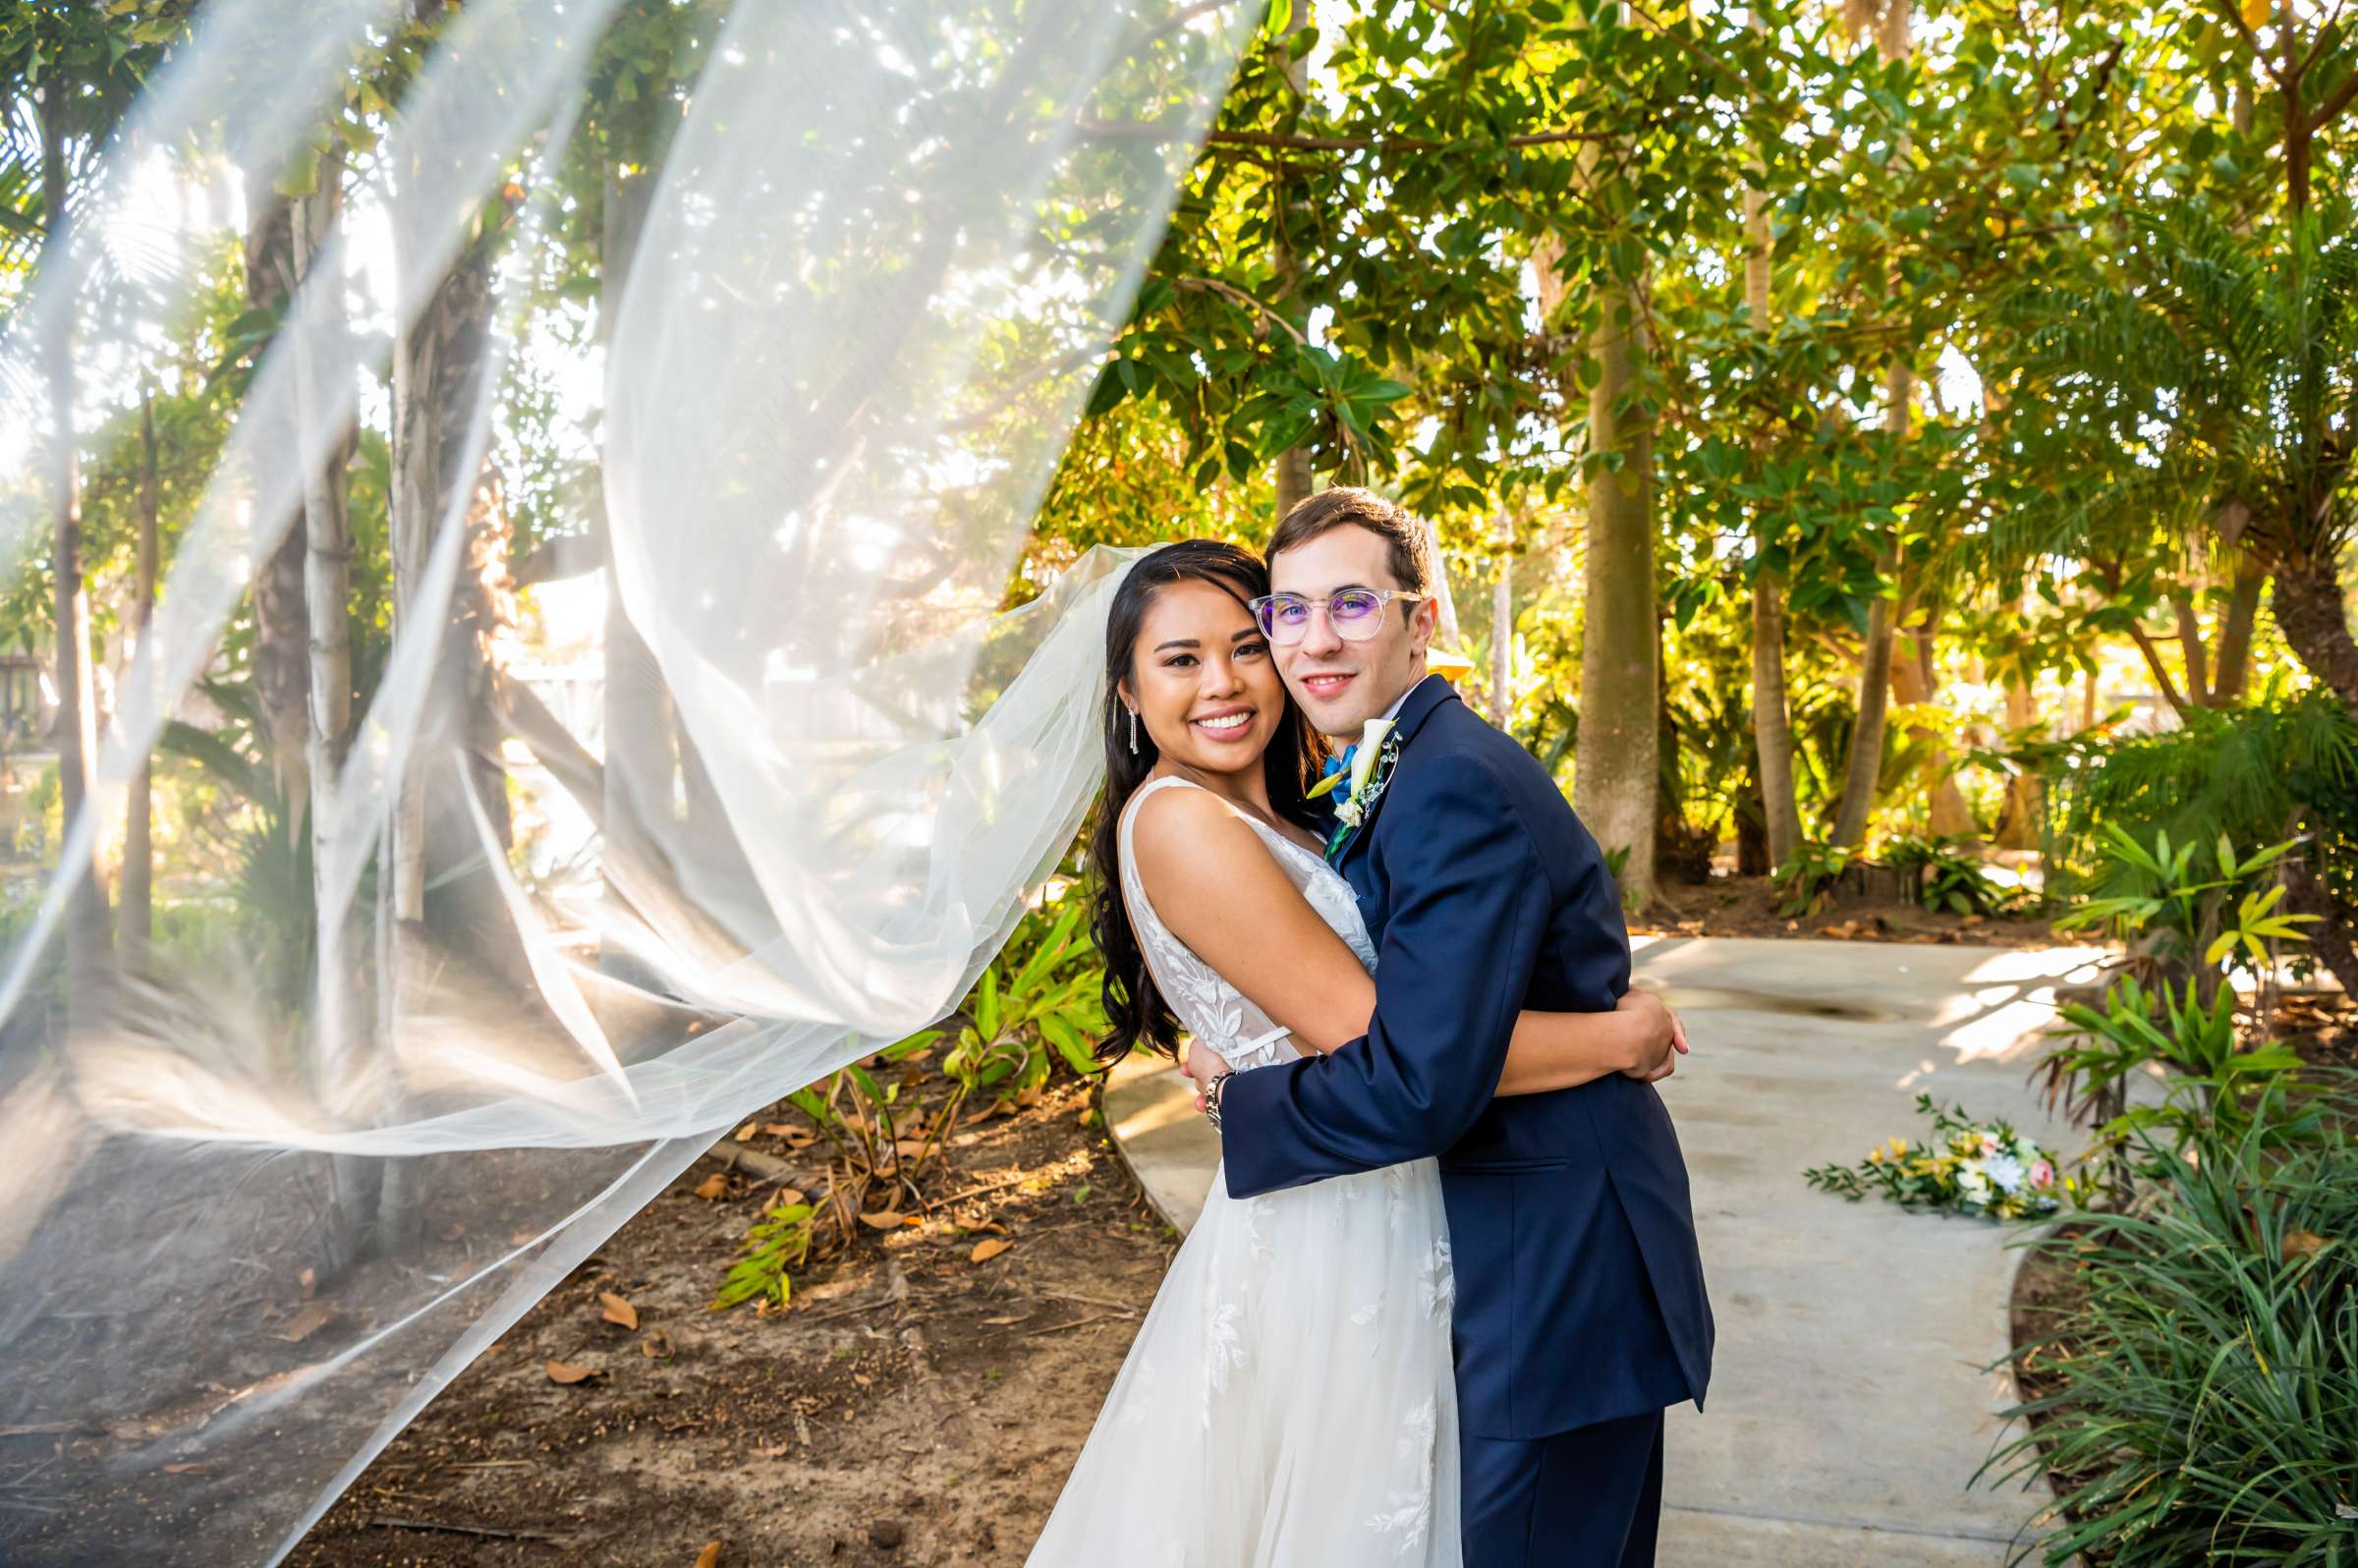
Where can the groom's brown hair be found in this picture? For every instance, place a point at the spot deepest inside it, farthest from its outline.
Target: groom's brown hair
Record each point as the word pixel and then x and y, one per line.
pixel 1347 505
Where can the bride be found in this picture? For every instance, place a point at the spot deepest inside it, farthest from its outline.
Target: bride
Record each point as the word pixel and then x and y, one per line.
pixel 1289 1400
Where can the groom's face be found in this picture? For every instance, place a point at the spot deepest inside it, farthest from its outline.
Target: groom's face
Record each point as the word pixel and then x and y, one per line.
pixel 1341 683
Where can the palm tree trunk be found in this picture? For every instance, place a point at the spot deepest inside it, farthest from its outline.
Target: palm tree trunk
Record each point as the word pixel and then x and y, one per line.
pixel 2234 670
pixel 87 945
pixel 2314 615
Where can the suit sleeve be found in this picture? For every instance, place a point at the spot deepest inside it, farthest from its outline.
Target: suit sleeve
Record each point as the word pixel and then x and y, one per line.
pixel 1469 904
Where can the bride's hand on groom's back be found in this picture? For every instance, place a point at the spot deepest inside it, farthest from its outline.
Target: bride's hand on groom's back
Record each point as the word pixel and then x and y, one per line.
pixel 1666 1037
pixel 1203 1064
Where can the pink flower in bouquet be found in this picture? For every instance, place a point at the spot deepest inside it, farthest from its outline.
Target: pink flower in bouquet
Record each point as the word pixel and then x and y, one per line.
pixel 2043 1174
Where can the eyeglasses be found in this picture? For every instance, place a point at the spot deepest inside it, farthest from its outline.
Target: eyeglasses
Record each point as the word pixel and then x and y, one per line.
pixel 1356 614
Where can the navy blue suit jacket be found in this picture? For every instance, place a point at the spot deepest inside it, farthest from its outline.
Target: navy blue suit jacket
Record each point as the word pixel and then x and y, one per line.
pixel 1580 1294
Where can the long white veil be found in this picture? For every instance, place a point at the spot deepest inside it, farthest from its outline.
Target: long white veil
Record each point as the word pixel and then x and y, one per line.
pixel 808 766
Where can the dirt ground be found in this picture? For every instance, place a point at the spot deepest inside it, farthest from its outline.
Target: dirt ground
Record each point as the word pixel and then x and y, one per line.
pixel 911 1406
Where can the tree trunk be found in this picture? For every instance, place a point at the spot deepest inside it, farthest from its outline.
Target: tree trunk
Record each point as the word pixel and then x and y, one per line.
pixel 1771 719
pixel 326 542
pixel 136 920
pixel 1863 764
pixel 1913 683
pixel 88 947
pixel 2018 818
pixel 2234 671
pixel 2314 616
pixel 281 627
pixel 1771 709
pixel 1615 770
pixel 1502 627
pixel 1863 767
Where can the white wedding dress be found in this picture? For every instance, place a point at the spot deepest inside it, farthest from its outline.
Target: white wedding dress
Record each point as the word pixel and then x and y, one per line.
pixel 1289 1402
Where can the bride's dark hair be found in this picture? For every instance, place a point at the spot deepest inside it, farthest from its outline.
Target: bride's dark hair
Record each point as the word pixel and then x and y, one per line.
pixel 1132 1005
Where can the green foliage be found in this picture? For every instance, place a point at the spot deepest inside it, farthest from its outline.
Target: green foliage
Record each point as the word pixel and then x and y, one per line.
pixel 2200 1395
pixel 2177 917
pixel 1971 1167
pixel 1808 881
pixel 2250 775
pixel 2215 1090
pixel 778 1241
pixel 1938 873
pixel 1036 1004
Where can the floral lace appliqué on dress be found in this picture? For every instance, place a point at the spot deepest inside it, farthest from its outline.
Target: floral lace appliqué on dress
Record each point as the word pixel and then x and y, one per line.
pixel 1294 1371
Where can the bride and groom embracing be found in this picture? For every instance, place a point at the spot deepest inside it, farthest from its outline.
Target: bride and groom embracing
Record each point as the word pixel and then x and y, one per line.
pixel 1446 1282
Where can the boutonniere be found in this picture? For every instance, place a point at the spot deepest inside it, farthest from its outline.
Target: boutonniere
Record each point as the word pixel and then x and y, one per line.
pixel 1366 767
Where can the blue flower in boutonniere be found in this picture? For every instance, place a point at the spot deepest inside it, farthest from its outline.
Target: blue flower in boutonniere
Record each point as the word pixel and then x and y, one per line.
pixel 1360 773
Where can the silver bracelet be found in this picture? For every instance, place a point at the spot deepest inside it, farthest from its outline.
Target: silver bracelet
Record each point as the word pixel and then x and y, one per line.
pixel 1211 1099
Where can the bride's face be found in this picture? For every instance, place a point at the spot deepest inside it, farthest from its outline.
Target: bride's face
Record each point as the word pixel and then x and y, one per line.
pixel 1201 680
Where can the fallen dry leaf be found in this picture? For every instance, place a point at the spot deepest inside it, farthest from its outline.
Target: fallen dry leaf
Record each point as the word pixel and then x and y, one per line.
pixel 744 1133
pixel 182 1470
pixel 778 1129
pixel 307 1322
pixel 999 1323
pixel 710 1557
pixel 988 1247
pixel 910 1147
pixel 309 1279
pixel 2303 1243
pixel 561 1372
pixel 712 1187
pixel 790 1195
pixel 656 1344
pixel 883 1220
pixel 618 1311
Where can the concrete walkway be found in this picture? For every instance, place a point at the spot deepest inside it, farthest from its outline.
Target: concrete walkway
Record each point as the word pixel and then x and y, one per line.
pixel 1849 1405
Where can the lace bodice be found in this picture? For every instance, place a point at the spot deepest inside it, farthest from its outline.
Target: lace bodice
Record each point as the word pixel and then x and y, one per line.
pixel 1212 1009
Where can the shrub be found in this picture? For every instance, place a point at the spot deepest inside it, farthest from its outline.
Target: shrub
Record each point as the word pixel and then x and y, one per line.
pixel 2204 1406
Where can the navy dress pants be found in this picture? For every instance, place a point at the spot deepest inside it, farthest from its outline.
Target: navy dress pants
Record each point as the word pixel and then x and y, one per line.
pixel 1586 1498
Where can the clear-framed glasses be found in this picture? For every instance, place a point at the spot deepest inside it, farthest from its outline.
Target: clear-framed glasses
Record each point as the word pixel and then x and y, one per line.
pixel 1356 614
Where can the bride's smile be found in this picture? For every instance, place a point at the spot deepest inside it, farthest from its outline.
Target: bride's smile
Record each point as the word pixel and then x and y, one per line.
pixel 1201 680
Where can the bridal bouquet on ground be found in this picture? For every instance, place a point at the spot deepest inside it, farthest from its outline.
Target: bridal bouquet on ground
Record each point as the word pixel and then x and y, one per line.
pixel 1984 1168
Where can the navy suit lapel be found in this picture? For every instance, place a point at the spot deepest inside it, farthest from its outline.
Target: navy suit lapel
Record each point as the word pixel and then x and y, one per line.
pixel 1420 704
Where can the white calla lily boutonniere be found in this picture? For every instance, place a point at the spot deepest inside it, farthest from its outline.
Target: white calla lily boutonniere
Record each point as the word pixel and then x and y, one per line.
pixel 1360 773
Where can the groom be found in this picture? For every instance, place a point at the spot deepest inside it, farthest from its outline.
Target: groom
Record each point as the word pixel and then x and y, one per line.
pixel 1580 1314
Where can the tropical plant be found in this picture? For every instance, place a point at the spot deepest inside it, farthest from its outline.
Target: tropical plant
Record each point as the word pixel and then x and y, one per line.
pixel 1808 881
pixel 1937 873
pixel 1036 1003
pixel 2213 1089
pixel 2198 1399
pixel 2180 922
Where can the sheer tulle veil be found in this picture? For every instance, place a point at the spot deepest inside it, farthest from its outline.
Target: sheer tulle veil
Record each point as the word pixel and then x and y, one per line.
pixel 786 797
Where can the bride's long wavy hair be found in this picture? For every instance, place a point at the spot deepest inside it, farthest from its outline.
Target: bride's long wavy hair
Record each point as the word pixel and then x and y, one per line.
pixel 1134 1005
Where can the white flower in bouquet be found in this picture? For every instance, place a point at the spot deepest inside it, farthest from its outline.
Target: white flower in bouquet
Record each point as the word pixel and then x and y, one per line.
pixel 1972 1184
pixel 2005 1171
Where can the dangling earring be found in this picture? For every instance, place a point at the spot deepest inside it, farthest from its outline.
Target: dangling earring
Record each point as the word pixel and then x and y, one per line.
pixel 1134 732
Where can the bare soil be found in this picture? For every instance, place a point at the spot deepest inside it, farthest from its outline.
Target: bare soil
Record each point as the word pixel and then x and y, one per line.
pixel 911 1406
